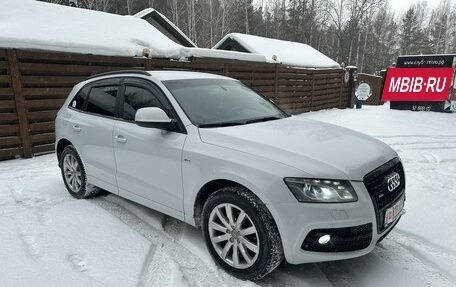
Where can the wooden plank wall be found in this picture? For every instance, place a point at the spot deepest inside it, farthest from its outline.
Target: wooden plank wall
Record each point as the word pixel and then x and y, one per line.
pixel 301 90
pixel 34 85
pixel 10 138
pixel 47 79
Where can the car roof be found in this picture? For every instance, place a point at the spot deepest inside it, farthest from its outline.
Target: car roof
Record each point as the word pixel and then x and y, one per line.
pixel 183 75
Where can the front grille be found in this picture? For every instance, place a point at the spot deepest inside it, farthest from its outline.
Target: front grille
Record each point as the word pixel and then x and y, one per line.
pixel 342 239
pixel 377 186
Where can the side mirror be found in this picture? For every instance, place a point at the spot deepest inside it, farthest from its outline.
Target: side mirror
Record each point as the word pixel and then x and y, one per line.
pixel 153 117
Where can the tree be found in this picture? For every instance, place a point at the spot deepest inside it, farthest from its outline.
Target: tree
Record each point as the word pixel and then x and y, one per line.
pixel 381 46
pixel 438 27
pixel 410 32
pixel 334 10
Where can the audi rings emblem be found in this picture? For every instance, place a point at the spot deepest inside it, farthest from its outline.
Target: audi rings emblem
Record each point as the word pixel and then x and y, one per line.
pixel 393 181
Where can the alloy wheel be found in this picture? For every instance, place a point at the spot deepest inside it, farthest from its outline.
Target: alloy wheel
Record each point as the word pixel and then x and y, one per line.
pixel 233 235
pixel 72 173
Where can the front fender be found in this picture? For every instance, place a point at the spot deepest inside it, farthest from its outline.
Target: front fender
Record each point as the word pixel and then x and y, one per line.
pixel 203 163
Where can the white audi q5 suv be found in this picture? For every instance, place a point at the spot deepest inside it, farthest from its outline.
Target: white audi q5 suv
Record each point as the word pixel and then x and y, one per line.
pixel 206 149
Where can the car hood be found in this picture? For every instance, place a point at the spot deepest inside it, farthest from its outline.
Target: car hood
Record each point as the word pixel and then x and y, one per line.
pixel 318 149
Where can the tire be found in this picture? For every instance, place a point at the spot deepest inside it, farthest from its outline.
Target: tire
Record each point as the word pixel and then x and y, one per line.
pixel 250 263
pixel 74 175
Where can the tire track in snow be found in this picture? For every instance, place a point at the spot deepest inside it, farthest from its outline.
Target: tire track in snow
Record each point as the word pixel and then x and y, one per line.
pixel 25 201
pixel 416 253
pixel 144 275
pixel 173 227
pixel 432 158
pixel 422 249
pixel 338 275
pixel 426 244
pixel 303 275
pixel 415 136
pixel 419 142
pixel 40 207
pixel 400 257
pixel 428 144
pixel 426 148
pixel 195 271
pixel 423 141
pixel 164 271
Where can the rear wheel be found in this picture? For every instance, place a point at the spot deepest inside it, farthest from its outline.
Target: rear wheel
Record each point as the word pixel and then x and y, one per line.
pixel 74 175
pixel 241 234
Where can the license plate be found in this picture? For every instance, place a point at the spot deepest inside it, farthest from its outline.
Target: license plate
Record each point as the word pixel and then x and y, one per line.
pixel 393 212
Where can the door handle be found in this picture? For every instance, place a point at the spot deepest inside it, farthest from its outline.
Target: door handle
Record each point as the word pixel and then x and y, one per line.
pixel 76 128
pixel 120 139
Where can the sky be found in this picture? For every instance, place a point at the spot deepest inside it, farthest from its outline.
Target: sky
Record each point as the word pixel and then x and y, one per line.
pixel 400 6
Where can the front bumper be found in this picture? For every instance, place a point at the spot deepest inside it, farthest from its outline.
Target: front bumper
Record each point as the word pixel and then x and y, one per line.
pixel 296 220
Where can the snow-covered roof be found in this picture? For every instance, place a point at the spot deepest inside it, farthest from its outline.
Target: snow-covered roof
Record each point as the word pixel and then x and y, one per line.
pixel 150 11
pixel 37 25
pixel 29 24
pixel 221 54
pixel 288 53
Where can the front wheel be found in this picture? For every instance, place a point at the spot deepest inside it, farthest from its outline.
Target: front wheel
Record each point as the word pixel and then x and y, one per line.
pixel 241 234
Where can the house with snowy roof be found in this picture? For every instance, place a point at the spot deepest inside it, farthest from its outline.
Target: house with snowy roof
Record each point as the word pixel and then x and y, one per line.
pixel 165 26
pixel 36 25
pixel 288 53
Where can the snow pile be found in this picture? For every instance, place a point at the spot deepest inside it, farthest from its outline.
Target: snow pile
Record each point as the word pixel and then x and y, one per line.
pixel 288 53
pixel 28 24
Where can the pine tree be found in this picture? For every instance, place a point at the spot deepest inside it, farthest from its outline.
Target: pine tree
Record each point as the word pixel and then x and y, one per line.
pixel 410 33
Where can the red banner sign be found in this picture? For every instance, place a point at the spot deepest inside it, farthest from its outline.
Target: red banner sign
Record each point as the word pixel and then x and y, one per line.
pixel 417 84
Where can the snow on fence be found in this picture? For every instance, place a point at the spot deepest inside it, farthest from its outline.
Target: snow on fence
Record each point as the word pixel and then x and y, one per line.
pixel 34 85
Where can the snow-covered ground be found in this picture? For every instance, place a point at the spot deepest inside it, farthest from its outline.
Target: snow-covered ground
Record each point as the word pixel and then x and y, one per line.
pixel 50 239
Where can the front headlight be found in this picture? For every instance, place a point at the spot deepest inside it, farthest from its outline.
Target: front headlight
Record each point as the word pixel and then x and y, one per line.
pixel 321 190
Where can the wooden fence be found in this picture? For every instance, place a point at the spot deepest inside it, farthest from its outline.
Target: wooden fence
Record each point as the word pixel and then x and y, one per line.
pixel 34 85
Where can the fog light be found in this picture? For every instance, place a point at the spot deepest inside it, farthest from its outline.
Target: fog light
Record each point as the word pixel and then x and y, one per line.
pixel 324 239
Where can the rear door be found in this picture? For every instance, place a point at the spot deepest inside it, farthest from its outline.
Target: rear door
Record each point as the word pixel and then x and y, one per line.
pixel 148 159
pixel 92 131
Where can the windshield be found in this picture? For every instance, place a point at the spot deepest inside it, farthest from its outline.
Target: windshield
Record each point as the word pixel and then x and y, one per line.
pixel 221 102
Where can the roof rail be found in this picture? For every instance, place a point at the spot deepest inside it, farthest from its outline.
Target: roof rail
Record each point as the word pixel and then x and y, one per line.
pixel 140 72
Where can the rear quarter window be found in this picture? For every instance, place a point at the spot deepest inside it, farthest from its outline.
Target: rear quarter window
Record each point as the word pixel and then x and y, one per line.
pixel 78 101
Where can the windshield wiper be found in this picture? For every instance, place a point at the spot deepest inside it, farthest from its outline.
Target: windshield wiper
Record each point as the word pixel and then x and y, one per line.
pixel 229 124
pixel 217 125
pixel 263 119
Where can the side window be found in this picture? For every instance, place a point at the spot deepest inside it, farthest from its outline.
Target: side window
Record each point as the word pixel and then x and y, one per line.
pixel 78 100
pixel 136 98
pixel 102 100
